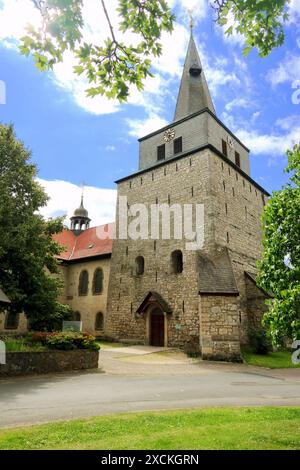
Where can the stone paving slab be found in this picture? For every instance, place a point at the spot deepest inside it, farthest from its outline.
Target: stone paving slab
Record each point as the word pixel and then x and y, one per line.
pixel 138 350
pixel 149 360
pixel 154 362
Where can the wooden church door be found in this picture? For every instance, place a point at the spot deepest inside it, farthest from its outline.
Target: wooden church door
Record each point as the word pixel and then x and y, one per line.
pixel 157 328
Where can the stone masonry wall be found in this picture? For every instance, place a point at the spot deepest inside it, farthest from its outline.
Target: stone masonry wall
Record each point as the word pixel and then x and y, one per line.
pixel 237 206
pixel 233 208
pixel 219 323
pixel 88 305
pixel 176 182
pixel 45 362
pixel 22 326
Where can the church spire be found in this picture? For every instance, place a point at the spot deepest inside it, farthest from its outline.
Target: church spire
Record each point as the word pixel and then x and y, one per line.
pixel 194 94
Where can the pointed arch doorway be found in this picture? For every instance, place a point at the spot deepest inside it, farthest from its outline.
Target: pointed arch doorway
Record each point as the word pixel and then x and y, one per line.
pixel 156 312
pixel 157 327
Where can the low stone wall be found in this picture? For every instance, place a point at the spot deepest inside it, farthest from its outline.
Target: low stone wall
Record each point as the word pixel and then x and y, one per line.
pixel 44 362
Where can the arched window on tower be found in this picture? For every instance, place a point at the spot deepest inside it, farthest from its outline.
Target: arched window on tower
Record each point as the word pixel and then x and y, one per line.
pixel 98 281
pixel 177 262
pixel 83 283
pixel 139 265
pixel 99 324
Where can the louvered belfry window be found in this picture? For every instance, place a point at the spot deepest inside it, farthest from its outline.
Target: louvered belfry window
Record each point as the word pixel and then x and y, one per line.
pixel 237 159
pixel 161 152
pixel 178 145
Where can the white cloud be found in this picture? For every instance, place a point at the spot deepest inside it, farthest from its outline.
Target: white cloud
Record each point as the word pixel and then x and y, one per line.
pixel 167 69
pixel 110 148
pixel 294 11
pixel 255 116
pixel 220 77
pixel 229 120
pixel 141 128
pixel 289 122
pixel 274 144
pixel 174 51
pixel 235 39
pixel 198 7
pixel 14 16
pixel 65 198
pixel 239 103
pixel 64 77
pixel 287 72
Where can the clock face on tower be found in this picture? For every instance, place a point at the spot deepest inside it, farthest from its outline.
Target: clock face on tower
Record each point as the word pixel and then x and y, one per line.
pixel 230 142
pixel 169 135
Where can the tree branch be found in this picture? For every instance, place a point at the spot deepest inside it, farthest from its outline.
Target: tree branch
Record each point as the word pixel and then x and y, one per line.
pixel 109 22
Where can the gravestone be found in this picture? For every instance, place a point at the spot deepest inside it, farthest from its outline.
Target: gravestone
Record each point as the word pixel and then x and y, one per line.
pixel 2 353
pixel 75 326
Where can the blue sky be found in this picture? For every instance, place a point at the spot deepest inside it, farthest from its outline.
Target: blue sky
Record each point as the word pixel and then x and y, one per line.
pixel 77 140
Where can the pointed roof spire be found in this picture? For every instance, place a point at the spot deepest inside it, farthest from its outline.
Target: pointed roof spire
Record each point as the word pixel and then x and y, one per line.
pixel 194 94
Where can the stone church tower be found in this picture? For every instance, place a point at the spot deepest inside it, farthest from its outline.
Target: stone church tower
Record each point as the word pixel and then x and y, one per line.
pixel 160 292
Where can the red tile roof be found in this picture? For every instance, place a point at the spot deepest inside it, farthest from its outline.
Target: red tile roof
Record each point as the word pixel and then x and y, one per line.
pixel 88 244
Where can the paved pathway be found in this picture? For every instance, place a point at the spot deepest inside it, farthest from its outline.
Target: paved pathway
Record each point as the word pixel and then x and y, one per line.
pixel 134 379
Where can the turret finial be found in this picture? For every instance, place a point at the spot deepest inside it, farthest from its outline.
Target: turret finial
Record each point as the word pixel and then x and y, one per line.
pixel 190 11
pixel 82 193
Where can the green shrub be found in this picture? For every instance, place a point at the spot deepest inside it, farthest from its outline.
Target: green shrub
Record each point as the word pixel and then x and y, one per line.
pixel 70 340
pixel 259 340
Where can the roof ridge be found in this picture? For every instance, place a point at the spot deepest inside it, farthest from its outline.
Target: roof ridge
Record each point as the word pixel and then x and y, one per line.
pixel 74 247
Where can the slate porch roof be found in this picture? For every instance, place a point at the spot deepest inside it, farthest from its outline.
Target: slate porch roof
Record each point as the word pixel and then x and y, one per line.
pixel 253 278
pixel 216 274
pixel 86 245
pixel 3 298
pixel 154 296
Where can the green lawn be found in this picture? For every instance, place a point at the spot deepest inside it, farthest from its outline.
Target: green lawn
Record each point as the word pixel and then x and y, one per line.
pixel 22 345
pixel 274 360
pixel 215 428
